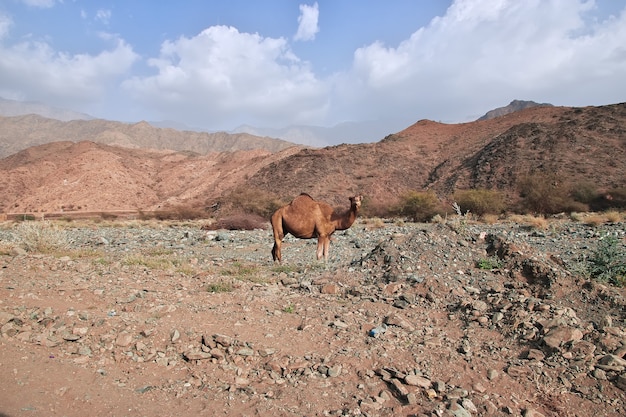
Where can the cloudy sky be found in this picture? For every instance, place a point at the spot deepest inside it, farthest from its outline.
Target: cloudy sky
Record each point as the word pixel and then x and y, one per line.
pixel 218 65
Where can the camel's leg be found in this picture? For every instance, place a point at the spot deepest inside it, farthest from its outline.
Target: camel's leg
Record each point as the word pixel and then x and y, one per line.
pixel 320 247
pixel 323 242
pixel 276 255
pixel 277 229
pixel 326 248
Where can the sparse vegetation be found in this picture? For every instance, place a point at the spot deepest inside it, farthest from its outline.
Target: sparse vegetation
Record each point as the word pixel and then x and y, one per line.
pixel 242 272
pixel 41 237
pixel 244 221
pixel 528 220
pixel 608 262
pixel 248 200
pixel 489 263
pixel 544 193
pixel 419 206
pixel 181 212
pixel 221 286
pixel 480 201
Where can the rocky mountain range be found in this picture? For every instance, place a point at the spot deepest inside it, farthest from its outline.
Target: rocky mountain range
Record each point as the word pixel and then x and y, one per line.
pixel 81 173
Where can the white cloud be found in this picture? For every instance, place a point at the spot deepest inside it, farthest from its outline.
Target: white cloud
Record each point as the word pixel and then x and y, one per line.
pixel 484 53
pixel 44 4
pixel 307 23
pixel 104 16
pixel 5 25
pixel 34 71
pixel 222 77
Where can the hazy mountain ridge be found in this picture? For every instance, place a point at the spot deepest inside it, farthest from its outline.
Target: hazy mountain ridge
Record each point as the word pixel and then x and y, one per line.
pixel 515 105
pixel 9 108
pixel 21 132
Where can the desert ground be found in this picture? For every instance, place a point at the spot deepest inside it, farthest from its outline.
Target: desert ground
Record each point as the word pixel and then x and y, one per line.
pixel 456 318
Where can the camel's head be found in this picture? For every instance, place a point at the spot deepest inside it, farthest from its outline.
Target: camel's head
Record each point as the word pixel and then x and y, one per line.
pixel 355 202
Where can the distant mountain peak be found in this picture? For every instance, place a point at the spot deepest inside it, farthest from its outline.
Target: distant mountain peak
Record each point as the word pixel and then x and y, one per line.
pixel 10 108
pixel 515 105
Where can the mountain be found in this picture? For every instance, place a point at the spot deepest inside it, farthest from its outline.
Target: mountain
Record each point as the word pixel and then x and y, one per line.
pixel 20 132
pixel 10 108
pixel 584 145
pixel 515 105
pixel 581 145
pixel 319 137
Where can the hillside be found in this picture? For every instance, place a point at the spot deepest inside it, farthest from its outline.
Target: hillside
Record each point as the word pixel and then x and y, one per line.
pixel 577 145
pixel 20 132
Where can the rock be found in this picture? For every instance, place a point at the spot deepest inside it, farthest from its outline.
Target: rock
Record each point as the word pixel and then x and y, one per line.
pixel 175 336
pixel 417 381
pixel 124 339
pixel 621 382
pixel 612 361
pixel 492 374
pixel 397 320
pixel 468 405
pixel 529 412
pixel 245 351
pixel 196 355
pixel 223 340
pixel 557 336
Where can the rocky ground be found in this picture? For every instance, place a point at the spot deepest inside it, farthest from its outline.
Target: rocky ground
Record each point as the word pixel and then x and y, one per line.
pixel 458 319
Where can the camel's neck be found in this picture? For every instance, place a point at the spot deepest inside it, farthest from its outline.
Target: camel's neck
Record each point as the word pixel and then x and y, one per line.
pixel 344 220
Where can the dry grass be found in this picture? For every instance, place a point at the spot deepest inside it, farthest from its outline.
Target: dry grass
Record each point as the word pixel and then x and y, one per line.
pixel 534 222
pixel 489 218
pixel 597 219
pixel 41 237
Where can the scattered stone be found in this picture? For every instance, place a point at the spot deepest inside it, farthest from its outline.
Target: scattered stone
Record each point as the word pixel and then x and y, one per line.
pixel 557 336
pixel 124 339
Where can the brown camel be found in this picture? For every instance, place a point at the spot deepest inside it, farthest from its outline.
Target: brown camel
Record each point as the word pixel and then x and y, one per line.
pixel 306 218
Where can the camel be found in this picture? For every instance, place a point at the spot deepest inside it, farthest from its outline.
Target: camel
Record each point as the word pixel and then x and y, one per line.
pixel 306 218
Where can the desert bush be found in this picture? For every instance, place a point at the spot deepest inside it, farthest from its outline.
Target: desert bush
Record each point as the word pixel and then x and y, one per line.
pixel 41 237
pixel 612 199
pixel 242 221
pixel 608 262
pixel 584 192
pixel 251 201
pixel 419 206
pixel 480 201
pixel 547 194
pixel 176 213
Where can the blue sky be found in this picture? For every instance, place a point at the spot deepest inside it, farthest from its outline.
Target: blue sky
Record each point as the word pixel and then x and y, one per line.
pixel 219 65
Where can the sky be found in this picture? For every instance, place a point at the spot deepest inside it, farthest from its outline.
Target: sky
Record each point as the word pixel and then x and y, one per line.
pixel 217 65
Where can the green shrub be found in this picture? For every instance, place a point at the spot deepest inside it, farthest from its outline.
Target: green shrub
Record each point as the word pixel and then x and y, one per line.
pixel 585 192
pixel 608 262
pixel 489 263
pixel 545 193
pixel 480 201
pixel 419 206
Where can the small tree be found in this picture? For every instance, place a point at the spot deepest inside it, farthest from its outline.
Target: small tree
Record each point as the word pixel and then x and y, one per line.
pixel 547 194
pixel 419 206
